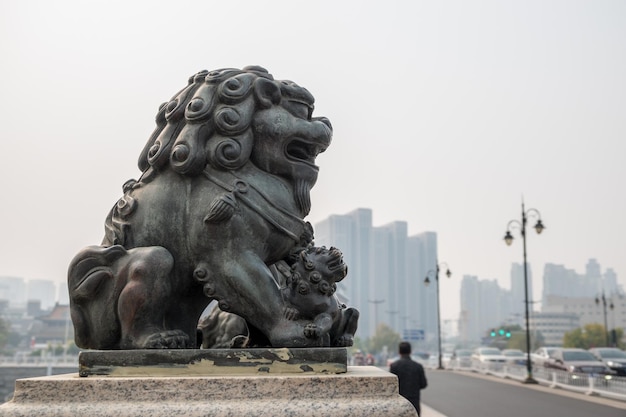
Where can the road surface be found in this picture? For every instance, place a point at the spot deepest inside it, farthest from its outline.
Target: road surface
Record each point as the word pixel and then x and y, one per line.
pixel 461 394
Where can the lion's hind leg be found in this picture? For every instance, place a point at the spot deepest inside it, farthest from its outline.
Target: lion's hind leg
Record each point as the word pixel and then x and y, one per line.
pixel 143 301
pixel 94 287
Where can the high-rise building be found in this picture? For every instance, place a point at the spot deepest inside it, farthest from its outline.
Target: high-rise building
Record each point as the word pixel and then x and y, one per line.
pixel 552 326
pixel 557 280
pixel 484 305
pixel 42 290
pixel 13 289
pixel 470 304
pixel 567 292
pixel 562 282
pixel 610 282
pixel 421 301
pixel 590 310
pixel 386 271
pixel 389 258
pixel 63 295
pixel 518 290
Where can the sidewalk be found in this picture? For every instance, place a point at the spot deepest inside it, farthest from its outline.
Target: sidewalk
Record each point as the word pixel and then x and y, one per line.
pixel 429 412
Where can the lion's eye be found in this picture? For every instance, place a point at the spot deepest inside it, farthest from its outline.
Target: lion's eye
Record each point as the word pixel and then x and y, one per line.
pixel 299 110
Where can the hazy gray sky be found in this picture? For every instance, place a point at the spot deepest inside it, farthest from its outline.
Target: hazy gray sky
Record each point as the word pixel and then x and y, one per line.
pixel 445 114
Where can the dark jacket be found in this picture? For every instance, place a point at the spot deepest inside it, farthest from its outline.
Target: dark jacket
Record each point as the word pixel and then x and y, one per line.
pixel 411 379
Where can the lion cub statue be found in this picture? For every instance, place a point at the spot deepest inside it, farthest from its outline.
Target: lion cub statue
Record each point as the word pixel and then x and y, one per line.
pixel 308 288
pixel 309 294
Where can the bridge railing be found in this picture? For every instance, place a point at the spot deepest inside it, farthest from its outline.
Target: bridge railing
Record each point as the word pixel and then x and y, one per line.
pixel 610 386
pixel 19 360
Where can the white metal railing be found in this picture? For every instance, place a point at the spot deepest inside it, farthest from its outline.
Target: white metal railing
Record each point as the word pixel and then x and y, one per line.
pixel 610 386
pixel 23 360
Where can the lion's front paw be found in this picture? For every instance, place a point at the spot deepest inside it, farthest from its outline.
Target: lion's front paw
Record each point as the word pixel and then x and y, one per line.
pixel 312 331
pixel 344 341
pixel 169 339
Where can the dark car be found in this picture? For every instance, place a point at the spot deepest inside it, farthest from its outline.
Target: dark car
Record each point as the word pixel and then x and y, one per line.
pixel 614 358
pixel 577 361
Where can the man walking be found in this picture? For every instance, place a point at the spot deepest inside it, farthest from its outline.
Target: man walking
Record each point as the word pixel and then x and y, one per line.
pixel 411 376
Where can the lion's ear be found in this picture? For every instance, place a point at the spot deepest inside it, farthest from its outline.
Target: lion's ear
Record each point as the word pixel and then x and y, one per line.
pixel 266 92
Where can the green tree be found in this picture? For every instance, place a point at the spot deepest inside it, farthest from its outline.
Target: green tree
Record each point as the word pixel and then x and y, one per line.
pixel 592 335
pixel 358 344
pixel 5 329
pixel 384 336
pixel 518 340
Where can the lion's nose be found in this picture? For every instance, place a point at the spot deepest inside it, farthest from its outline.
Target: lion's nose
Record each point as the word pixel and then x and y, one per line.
pixel 324 120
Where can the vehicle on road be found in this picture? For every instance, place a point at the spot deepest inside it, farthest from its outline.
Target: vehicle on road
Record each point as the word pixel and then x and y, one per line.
pixel 614 358
pixel 541 355
pixel 576 362
pixel 461 358
pixel 488 357
pixel 514 356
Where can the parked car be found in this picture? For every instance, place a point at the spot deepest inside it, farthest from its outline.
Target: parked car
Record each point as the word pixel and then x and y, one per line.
pixel 577 361
pixel 488 357
pixel 514 356
pixel 461 358
pixel 541 355
pixel 614 358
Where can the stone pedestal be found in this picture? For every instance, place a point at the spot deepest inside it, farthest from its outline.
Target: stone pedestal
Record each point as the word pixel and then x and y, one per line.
pixel 362 391
pixel 206 362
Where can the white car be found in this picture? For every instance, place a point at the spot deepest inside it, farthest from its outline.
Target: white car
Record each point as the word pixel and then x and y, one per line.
pixel 488 357
pixel 541 355
pixel 461 358
pixel 515 356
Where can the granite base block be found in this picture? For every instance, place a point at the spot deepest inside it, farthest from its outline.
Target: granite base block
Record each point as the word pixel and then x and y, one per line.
pixel 362 391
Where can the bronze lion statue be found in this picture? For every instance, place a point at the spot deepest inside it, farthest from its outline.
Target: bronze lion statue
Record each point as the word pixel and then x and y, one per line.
pixel 225 186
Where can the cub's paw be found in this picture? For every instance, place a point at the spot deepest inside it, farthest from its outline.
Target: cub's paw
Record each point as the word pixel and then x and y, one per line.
pixel 311 331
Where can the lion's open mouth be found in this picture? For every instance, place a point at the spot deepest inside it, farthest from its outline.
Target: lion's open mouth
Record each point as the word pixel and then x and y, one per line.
pixel 303 151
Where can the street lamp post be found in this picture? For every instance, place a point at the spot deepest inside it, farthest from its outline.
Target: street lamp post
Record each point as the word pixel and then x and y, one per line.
pixel 508 239
pixel 376 302
pixel 426 282
pixel 606 327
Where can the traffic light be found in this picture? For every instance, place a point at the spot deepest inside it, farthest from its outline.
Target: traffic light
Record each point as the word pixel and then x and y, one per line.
pixel 501 332
pixel 508 334
pixel 493 332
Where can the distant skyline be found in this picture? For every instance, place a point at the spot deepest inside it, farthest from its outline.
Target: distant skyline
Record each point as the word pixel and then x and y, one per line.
pixel 451 313
pixel 445 115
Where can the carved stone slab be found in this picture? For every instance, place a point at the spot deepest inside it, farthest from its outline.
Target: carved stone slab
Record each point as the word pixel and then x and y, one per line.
pixel 204 362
